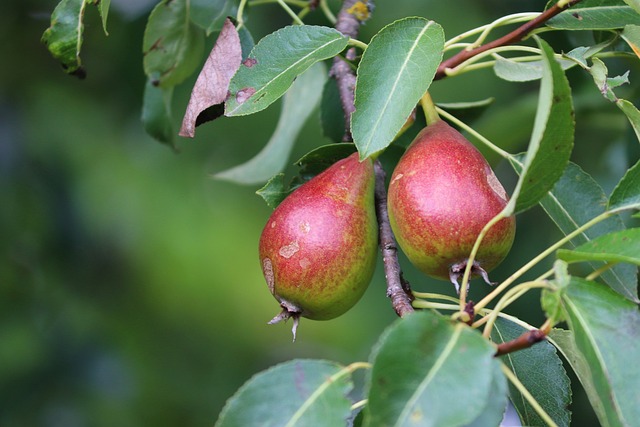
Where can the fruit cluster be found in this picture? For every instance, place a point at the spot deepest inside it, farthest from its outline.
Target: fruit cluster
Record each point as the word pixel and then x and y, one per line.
pixel 318 249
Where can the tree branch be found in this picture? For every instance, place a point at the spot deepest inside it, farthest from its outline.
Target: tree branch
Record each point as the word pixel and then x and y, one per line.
pixel 513 37
pixel 525 340
pixel 397 288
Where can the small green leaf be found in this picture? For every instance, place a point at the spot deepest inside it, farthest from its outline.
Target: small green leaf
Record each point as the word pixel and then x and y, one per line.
pixel 156 114
pixel 421 365
pixel 64 37
pixel 551 303
pixel 626 195
pixel 396 69
pixel 295 393
pixel 172 45
pixel 621 246
pixel 595 18
pixel 274 191
pixel 576 199
pixel 551 140
pixel 467 111
pixel 563 341
pixel 540 370
pixel 276 61
pixel 513 71
pixel 631 34
pixel 602 321
pixel 298 104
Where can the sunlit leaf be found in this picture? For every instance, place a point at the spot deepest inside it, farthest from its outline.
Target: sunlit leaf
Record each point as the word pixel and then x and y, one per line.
pixel 595 18
pixel 212 84
pixel 575 200
pixel 395 71
pixel 276 61
pixel 626 195
pixel 64 37
pixel 298 103
pixel 172 44
pixel 421 365
pixel 551 140
pixel 540 370
pixel 296 393
pixel 156 113
pixel 621 246
pixel 606 330
pixel 635 4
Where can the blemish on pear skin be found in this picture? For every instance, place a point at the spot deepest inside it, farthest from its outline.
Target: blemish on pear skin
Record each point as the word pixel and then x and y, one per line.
pixel 305 227
pixel 267 270
pixel 305 263
pixel 289 250
pixel 397 178
pixel 273 224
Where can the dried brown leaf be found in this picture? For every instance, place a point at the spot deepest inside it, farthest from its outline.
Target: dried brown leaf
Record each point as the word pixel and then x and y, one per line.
pixel 212 84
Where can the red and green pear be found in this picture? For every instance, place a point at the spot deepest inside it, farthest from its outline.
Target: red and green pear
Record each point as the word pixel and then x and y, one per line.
pixel 318 249
pixel 441 194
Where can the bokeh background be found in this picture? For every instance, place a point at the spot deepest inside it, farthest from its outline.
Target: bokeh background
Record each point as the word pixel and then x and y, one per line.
pixel 130 289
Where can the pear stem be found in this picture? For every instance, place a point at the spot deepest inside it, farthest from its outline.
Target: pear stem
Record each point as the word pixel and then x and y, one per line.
pixel 429 108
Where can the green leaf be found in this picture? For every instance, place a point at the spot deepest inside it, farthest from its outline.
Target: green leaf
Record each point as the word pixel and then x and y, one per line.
pixel 621 246
pixel 319 159
pixel 298 104
pixel 551 140
pixel 276 61
pixel 606 330
pixel 274 191
pixel 626 195
pixel 395 71
pixel 331 114
pixel 210 14
pixel 103 9
pixel 421 365
pixel 172 45
pixel 64 37
pixel 563 341
pixel 156 114
pixel 576 199
pixel 631 34
pixel 632 114
pixel 540 370
pixel 493 412
pixel 595 18
pixel 467 111
pixel 635 4
pixel 513 71
pixel 295 393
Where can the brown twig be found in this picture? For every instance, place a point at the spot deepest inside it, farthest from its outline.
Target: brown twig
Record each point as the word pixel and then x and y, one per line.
pixel 397 288
pixel 513 37
pixel 525 340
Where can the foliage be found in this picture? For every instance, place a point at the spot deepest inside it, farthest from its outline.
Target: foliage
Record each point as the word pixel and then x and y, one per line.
pixel 427 361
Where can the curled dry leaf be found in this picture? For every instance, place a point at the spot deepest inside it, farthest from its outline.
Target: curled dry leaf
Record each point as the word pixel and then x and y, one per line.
pixel 212 84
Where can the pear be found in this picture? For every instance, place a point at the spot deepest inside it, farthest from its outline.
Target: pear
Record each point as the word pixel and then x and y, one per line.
pixel 318 249
pixel 441 194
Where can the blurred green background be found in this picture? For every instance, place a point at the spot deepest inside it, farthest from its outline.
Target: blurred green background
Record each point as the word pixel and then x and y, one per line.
pixel 130 288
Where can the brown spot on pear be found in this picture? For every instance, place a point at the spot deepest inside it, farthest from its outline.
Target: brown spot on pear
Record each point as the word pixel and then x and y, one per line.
pixel 330 221
pixel 447 194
